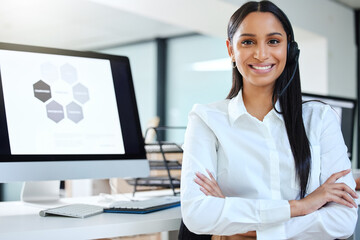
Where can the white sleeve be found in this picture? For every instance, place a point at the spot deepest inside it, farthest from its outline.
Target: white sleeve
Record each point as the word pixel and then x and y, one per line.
pixel 210 215
pixel 333 221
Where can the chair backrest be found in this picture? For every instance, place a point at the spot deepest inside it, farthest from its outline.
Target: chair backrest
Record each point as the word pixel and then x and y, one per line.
pixel 185 234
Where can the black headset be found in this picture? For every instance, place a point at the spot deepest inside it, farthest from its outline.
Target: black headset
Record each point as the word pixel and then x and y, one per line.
pixel 293 53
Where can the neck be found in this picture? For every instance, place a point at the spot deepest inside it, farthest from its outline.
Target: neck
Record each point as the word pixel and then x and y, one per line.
pixel 257 103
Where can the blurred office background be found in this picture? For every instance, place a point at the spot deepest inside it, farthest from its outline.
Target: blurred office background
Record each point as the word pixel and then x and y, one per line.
pixel 177 48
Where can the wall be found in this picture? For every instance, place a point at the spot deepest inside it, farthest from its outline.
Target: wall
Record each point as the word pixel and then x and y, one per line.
pixel 313 62
pixel 336 24
pixel 142 58
pixel 332 66
pixel 326 18
pixel 186 85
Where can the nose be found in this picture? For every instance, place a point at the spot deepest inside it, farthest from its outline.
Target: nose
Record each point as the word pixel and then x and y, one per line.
pixel 261 52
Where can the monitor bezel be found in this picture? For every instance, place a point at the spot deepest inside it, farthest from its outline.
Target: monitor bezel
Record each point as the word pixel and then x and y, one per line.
pixel 71 157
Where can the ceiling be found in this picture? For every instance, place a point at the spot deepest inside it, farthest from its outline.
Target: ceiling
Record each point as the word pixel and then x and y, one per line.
pixel 97 24
pixel 76 24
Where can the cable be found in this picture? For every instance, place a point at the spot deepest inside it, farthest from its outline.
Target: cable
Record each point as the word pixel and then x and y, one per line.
pixel 292 76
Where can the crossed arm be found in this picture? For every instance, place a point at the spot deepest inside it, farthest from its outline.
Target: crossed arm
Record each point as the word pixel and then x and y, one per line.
pixel 328 211
pixel 330 191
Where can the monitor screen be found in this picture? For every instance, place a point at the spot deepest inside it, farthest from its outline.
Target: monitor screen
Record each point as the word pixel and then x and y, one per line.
pixel 62 109
pixel 345 109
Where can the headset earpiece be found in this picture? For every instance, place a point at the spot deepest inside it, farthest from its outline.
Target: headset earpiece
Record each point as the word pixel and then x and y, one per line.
pixel 293 51
pixel 292 57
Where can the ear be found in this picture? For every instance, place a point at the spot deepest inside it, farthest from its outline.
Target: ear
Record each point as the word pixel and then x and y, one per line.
pixel 230 50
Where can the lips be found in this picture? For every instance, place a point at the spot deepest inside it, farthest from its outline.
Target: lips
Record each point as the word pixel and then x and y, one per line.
pixel 261 68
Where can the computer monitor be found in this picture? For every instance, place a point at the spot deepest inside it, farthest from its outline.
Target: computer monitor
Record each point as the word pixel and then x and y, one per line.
pixel 67 115
pixel 345 109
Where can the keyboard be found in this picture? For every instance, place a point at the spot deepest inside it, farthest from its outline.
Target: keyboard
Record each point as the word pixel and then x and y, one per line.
pixel 76 210
pixel 144 206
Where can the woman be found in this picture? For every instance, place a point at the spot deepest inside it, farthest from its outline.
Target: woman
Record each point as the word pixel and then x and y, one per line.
pixel 263 163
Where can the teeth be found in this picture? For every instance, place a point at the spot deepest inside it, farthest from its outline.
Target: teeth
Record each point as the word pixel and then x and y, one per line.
pixel 262 68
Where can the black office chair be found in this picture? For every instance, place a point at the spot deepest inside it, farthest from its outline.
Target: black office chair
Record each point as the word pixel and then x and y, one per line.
pixel 185 234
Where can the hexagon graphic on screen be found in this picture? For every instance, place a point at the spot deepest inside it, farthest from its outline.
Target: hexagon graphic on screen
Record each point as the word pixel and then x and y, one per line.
pixel 81 93
pixel 55 111
pixel 68 73
pixel 74 112
pixel 49 72
pixel 42 91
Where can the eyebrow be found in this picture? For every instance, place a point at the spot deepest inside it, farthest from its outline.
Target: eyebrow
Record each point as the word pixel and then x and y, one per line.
pixel 253 35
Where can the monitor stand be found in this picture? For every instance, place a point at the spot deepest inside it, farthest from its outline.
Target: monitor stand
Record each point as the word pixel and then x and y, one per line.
pixel 41 192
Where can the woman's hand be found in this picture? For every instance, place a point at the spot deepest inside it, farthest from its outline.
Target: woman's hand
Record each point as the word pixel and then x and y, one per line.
pixel 208 186
pixel 327 192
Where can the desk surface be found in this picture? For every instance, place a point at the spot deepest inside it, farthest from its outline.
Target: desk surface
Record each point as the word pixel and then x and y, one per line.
pixel 20 220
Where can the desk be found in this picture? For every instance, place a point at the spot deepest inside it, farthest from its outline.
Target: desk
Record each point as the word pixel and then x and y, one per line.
pixel 20 220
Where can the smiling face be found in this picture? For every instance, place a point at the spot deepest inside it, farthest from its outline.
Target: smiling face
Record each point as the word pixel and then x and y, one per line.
pixel 259 49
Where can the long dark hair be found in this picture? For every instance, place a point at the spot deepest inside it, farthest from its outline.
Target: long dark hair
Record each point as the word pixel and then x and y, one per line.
pixel 290 99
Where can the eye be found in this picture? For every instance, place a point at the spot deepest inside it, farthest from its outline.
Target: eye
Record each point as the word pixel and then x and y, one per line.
pixel 274 42
pixel 247 42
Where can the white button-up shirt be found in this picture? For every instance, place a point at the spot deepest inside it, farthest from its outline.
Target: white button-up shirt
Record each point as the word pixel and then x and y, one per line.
pixel 254 166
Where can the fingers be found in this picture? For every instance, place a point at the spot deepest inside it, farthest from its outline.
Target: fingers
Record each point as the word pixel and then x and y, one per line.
pixel 346 188
pixel 216 186
pixel 337 194
pixel 203 181
pixel 206 192
pixel 337 175
pixel 343 194
pixel 208 186
pixel 211 176
pixel 343 199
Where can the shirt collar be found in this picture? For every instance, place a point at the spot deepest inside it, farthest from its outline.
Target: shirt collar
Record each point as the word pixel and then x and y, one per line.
pixel 278 108
pixel 237 109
